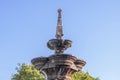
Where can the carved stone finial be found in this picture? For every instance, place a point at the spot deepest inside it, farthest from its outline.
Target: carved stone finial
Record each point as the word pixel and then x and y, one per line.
pixel 59 31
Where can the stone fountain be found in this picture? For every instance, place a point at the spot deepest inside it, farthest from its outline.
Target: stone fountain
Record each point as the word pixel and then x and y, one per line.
pixel 58 66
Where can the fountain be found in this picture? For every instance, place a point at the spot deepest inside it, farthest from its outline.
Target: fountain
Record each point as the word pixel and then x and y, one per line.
pixel 58 66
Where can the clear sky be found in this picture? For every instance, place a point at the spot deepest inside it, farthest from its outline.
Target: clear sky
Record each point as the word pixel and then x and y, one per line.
pixel 92 25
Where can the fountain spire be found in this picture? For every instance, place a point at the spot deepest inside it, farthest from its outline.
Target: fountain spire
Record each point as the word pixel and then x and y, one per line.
pixel 59 31
pixel 59 44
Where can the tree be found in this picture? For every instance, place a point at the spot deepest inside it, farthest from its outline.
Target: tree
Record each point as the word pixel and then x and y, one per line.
pixel 28 72
pixel 83 76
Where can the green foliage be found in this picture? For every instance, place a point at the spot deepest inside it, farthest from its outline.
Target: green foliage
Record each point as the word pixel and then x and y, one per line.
pixel 27 72
pixel 83 76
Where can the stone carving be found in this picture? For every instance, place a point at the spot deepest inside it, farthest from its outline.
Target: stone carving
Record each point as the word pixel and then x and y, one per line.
pixel 58 66
pixel 59 44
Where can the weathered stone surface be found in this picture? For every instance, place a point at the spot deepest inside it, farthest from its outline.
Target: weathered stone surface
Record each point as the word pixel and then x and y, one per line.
pixel 59 45
pixel 59 66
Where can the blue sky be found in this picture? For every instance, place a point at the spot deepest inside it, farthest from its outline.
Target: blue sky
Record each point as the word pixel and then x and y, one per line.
pixel 92 25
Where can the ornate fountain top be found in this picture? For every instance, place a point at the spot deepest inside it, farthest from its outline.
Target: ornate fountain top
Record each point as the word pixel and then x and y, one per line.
pixel 59 31
pixel 59 44
pixel 58 66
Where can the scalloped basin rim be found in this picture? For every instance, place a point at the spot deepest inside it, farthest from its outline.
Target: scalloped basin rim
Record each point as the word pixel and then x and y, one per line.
pixel 61 56
pixel 79 62
pixel 39 58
